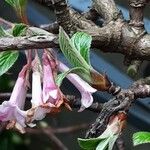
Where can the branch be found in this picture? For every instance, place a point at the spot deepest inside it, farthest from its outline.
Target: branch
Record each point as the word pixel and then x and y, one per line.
pixel 23 43
pixel 56 143
pixel 137 13
pixel 74 102
pixel 121 102
pixel 69 129
pixel 107 9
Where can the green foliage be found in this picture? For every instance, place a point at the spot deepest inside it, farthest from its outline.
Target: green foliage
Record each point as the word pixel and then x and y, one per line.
pixel 77 54
pixel 99 143
pixel 17 4
pixel 4 33
pixel 82 42
pixel 70 51
pixel 63 75
pixel 19 29
pixel 141 138
pixel 7 59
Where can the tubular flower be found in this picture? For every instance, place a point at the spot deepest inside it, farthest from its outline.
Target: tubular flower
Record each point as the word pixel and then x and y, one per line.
pixel 12 110
pixel 84 88
pixel 36 112
pixel 52 95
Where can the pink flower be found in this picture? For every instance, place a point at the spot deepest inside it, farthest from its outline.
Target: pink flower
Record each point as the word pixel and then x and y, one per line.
pixel 51 92
pixel 85 89
pixel 37 112
pixel 12 110
pixel 52 95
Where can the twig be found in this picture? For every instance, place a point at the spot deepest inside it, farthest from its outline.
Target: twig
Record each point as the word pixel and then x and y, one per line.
pixel 74 102
pixel 56 143
pixel 69 129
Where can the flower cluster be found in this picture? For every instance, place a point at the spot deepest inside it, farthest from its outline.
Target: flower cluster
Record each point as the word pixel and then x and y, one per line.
pixel 46 94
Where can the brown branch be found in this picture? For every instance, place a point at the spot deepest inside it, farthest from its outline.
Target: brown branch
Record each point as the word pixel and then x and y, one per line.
pixel 107 9
pixel 74 102
pixel 52 27
pixel 69 129
pixel 23 43
pixel 121 102
pixel 137 13
pixel 56 143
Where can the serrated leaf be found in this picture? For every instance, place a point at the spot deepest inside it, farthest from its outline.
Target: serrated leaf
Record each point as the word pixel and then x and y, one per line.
pixel 141 138
pixel 7 59
pixel 82 42
pixel 89 144
pixel 19 29
pixel 70 51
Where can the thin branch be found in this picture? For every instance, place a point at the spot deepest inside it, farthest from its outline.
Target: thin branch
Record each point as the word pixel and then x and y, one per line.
pixel 73 101
pixel 69 129
pixel 56 143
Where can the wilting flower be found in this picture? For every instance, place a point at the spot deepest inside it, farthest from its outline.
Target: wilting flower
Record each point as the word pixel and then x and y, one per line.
pixel 52 95
pixel 85 89
pixel 12 110
pixel 37 112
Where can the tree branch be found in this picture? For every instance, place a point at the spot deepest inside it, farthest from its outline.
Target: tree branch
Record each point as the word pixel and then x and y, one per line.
pixel 73 101
pixel 23 43
pixel 137 13
pixel 121 102
pixel 107 9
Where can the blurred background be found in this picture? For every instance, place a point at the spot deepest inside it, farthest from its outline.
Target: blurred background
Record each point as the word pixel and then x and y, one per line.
pixel 74 124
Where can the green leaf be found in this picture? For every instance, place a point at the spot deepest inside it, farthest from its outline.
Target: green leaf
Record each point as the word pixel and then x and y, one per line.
pixel 103 144
pixel 70 51
pixel 11 2
pixel 17 4
pixel 7 59
pixel 3 32
pixel 82 43
pixel 112 141
pixel 141 138
pixel 19 29
pixel 89 144
pixel 63 75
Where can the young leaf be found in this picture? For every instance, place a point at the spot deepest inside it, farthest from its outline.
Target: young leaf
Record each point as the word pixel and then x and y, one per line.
pixel 89 144
pixel 82 43
pixel 112 141
pixel 3 32
pixel 70 51
pixel 103 144
pixel 141 138
pixel 17 4
pixel 63 75
pixel 7 59
pixel 19 29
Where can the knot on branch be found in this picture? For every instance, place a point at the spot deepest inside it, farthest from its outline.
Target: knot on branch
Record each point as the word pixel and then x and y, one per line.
pixel 137 3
